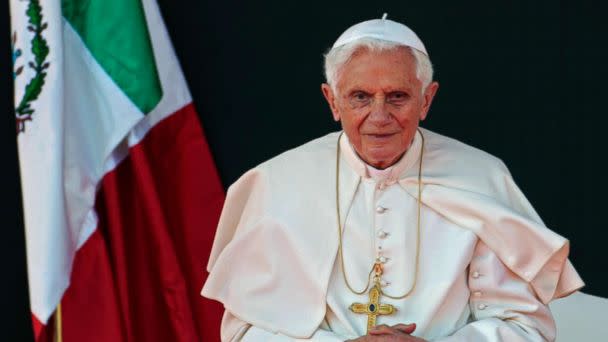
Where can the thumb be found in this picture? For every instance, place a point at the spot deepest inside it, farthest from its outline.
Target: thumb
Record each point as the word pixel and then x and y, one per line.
pixel 405 328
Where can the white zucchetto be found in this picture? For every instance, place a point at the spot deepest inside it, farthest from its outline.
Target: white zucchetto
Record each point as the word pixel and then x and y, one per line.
pixel 382 29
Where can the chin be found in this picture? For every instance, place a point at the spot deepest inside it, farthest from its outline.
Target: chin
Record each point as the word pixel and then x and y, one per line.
pixel 380 160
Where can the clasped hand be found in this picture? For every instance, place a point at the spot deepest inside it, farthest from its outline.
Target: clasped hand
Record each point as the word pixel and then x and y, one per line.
pixel 383 332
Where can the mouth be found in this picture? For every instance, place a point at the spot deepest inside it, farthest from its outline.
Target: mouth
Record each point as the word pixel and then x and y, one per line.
pixel 379 136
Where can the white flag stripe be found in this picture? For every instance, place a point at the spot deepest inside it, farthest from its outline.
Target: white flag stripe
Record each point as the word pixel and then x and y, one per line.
pixel 82 127
pixel 96 115
pixel 41 157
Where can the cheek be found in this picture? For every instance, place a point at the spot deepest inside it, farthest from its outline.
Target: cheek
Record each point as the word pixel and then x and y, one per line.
pixel 352 120
pixel 358 121
pixel 409 116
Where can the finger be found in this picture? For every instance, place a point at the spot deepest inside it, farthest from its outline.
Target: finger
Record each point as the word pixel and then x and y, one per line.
pixel 405 328
pixel 381 329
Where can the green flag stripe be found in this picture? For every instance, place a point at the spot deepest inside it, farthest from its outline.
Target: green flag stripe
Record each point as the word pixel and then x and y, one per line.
pixel 115 32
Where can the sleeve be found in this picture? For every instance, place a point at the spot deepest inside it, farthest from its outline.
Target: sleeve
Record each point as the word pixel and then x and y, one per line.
pixel 504 307
pixel 233 330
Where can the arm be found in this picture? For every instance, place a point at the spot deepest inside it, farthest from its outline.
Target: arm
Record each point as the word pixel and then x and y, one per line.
pixel 233 329
pixel 503 306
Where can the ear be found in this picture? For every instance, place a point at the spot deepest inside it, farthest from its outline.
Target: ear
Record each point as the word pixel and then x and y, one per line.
pixel 331 100
pixel 429 95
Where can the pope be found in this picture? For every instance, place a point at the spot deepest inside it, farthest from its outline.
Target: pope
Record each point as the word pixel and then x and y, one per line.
pixel 384 231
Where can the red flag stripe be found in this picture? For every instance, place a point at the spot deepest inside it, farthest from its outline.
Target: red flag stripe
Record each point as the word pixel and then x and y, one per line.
pixel 139 275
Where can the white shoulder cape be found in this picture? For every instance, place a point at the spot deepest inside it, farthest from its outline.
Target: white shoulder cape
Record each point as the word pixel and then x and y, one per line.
pixel 277 238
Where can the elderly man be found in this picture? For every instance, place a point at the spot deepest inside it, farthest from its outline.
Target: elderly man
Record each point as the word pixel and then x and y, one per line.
pixel 385 231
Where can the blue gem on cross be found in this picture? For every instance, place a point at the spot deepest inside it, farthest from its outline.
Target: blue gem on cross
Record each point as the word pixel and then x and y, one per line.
pixel 372 308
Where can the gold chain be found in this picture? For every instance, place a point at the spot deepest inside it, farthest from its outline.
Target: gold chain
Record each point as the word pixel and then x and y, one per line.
pixel 340 227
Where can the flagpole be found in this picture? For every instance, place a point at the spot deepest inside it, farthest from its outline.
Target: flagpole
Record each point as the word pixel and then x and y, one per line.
pixel 58 324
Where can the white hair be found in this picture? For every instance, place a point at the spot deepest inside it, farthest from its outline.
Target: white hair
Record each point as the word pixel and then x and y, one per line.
pixel 337 57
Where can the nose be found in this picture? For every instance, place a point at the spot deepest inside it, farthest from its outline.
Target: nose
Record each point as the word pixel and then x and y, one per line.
pixel 379 113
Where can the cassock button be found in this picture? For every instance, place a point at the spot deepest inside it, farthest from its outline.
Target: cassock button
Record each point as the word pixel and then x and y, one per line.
pixel 382 234
pixel 482 306
pixel 382 259
pixel 380 209
pixel 475 275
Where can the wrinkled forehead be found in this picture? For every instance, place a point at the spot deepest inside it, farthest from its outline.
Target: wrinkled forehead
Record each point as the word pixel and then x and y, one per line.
pixel 370 68
pixel 402 52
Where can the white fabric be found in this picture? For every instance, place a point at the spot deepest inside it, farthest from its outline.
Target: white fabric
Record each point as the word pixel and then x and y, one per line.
pixel 496 305
pixel 580 317
pixel 382 29
pixel 277 241
pixel 233 329
pixel 439 302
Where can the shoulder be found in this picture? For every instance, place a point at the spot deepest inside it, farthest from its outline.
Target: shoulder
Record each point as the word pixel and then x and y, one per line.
pixel 308 160
pixel 457 154
pixel 449 158
pixel 317 149
pixel 452 150
pixel 456 165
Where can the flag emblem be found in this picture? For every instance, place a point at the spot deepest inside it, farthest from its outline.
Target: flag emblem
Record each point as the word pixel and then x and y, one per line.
pixel 40 51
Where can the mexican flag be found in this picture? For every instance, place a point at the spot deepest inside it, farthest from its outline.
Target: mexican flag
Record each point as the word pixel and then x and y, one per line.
pixel 121 196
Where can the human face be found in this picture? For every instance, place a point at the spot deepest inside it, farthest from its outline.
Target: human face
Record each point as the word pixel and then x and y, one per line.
pixel 380 102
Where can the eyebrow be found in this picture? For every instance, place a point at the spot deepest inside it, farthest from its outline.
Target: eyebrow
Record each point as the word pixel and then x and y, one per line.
pixel 391 91
pixel 358 91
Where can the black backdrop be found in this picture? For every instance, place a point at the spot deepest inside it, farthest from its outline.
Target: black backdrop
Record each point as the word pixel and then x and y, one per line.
pixel 523 80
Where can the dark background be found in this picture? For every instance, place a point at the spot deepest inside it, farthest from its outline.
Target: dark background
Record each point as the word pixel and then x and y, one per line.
pixel 523 80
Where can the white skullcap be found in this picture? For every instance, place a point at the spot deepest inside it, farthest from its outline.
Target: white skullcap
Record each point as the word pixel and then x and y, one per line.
pixel 382 29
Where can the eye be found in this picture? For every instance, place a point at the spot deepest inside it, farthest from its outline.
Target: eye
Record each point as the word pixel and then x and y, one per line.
pixel 359 99
pixel 398 97
pixel 360 96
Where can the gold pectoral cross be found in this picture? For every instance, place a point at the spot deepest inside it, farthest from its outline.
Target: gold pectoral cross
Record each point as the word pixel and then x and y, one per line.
pixel 373 309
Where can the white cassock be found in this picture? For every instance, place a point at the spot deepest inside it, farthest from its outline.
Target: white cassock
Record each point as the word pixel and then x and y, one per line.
pixel 487 268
